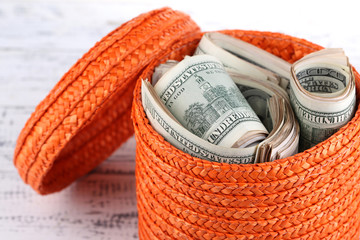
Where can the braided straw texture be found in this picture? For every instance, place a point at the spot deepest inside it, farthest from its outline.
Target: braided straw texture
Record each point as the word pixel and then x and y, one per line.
pixel 86 116
pixel 312 195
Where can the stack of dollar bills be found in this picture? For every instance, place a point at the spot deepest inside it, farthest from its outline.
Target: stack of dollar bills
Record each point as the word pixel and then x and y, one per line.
pixel 235 103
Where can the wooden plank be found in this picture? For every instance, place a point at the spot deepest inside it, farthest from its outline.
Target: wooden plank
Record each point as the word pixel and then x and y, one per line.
pixel 36 49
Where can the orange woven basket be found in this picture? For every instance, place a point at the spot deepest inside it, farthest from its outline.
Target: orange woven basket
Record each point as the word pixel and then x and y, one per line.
pixel 312 195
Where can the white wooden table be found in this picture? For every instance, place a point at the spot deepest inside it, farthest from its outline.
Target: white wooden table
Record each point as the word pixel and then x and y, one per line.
pixel 39 42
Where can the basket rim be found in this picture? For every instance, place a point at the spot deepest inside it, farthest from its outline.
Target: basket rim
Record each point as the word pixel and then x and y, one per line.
pixel 332 145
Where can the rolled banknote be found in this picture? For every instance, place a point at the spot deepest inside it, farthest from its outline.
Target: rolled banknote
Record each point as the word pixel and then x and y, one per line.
pixel 167 126
pixel 322 93
pixel 203 98
pixel 245 58
pixel 269 101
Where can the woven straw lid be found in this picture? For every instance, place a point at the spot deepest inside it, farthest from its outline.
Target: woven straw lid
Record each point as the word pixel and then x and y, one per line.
pixel 86 116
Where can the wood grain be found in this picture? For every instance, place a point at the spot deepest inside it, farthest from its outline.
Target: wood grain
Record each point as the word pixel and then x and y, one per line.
pixel 40 40
pixel 38 45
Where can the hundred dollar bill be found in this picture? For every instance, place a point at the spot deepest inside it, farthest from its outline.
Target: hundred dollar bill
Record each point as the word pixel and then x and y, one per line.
pixel 167 126
pixel 322 93
pixel 271 103
pixel 246 58
pixel 203 98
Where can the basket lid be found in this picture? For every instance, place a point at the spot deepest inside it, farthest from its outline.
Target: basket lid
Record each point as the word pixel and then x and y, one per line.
pixel 86 116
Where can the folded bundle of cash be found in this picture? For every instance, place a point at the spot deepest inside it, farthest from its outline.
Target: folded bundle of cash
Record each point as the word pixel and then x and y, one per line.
pixel 245 58
pixel 234 107
pixel 199 109
pixel 220 115
pixel 322 94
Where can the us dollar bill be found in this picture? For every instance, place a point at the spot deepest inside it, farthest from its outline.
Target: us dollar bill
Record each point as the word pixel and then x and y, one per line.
pixel 272 104
pixel 245 58
pixel 268 100
pixel 298 111
pixel 203 98
pixel 168 127
pixel 322 93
